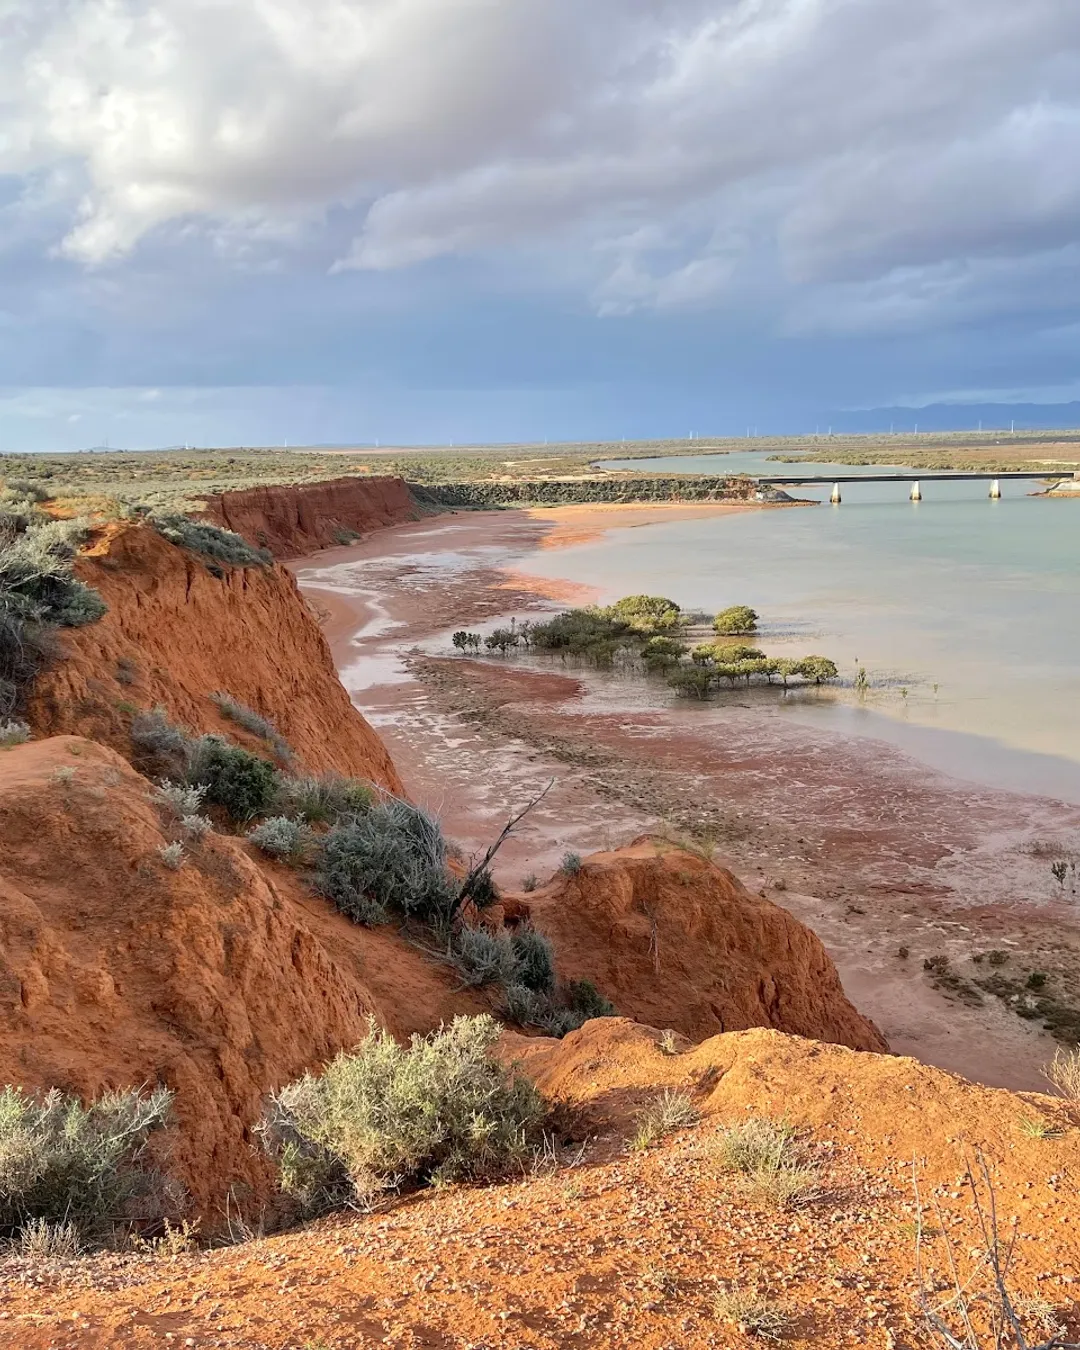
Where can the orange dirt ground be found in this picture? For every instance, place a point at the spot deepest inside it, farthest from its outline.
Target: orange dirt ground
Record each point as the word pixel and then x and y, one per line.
pixel 627 1249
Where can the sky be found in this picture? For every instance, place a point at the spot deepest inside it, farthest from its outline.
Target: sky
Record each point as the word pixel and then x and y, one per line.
pixel 228 222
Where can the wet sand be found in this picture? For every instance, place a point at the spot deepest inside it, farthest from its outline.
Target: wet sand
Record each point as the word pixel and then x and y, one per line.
pixel 874 851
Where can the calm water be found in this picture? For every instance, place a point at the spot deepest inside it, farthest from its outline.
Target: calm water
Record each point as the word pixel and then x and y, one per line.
pixel 971 606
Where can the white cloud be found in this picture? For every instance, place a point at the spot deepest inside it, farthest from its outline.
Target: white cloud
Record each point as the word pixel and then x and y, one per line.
pixel 854 163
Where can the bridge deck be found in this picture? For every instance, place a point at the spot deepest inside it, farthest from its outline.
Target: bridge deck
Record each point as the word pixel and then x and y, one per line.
pixel 910 476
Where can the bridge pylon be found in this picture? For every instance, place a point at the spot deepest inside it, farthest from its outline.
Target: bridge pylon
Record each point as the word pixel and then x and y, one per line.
pixel 916 492
pixel 995 490
pixel 835 498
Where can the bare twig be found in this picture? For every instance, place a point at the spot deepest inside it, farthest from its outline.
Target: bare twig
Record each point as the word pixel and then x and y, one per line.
pixel 1006 1327
pixel 469 884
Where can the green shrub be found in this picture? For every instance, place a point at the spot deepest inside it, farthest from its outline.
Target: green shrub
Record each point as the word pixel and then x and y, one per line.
pixel 63 1163
pixel 390 860
pixel 586 1001
pixel 325 799
pixel 556 1012
pixel 535 960
pixel 222 546
pixel 24 489
pixel 692 681
pixel 254 722
pixel 664 647
pixel 818 669
pixel 645 613
pixel 239 782
pixel 736 619
pixel 571 864
pixel 438 1109
pixel 501 640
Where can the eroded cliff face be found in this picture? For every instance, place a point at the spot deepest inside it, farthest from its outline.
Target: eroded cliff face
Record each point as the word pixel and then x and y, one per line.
pixel 223 979
pixel 175 633
pixel 295 520
pixel 677 942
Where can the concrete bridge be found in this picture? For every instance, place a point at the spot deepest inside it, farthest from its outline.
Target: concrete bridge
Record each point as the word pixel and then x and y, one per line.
pixel 915 477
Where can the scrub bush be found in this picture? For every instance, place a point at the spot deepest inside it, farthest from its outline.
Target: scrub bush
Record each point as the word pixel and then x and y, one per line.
pixel 535 960
pixel 38 593
pixel 324 799
pixel 439 1109
pixel 254 722
pixel 484 957
pixel 13 733
pixel 391 860
pixel 281 837
pixel 63 1163
pixel 221 546
pixel 239 782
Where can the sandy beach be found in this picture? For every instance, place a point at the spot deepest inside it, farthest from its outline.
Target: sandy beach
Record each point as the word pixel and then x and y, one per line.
pixel 893 864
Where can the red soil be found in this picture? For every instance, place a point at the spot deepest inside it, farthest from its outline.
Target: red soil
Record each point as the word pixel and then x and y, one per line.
pixel 223 979
pixel 675 942
pixel 291 521
pixel 175 634
pixel 629 1249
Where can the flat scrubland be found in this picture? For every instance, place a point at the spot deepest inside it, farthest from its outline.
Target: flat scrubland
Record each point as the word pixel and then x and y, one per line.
pixel 180 478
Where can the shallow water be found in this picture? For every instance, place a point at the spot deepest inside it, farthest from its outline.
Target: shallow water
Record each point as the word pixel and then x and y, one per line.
pixel 964 611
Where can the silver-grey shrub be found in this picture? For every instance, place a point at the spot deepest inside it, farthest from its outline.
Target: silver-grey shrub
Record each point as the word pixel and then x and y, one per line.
pixel 254 722
pixel 210 541
pixel 63 1162
pixel 180 798
pixel 13 732
pixel 484 957
pixel 161 742
pixel 438 1109
pixel 281 837
pixel 534 959
pixel 391 860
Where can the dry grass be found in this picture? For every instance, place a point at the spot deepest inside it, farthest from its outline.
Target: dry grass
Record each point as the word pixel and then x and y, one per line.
pixel 671 1111
pixel 1064 1073
pixel 50 1241
pixel 752 1314
pixel 769 1161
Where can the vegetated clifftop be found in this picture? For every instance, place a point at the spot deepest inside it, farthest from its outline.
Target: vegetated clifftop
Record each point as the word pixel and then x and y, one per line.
pixel 223 979
pixel 176 632
pixel 227 977
pixel 675 941
pixel 294 520
pixel 652 1248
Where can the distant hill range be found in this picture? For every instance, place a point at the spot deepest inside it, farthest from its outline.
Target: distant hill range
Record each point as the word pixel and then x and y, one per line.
pixel 960 417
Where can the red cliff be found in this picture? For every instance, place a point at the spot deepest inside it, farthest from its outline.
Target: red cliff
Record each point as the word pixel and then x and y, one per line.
pixel 294 520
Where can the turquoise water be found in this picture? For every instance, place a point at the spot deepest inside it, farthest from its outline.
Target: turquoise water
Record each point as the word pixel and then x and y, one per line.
pixel 971 606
